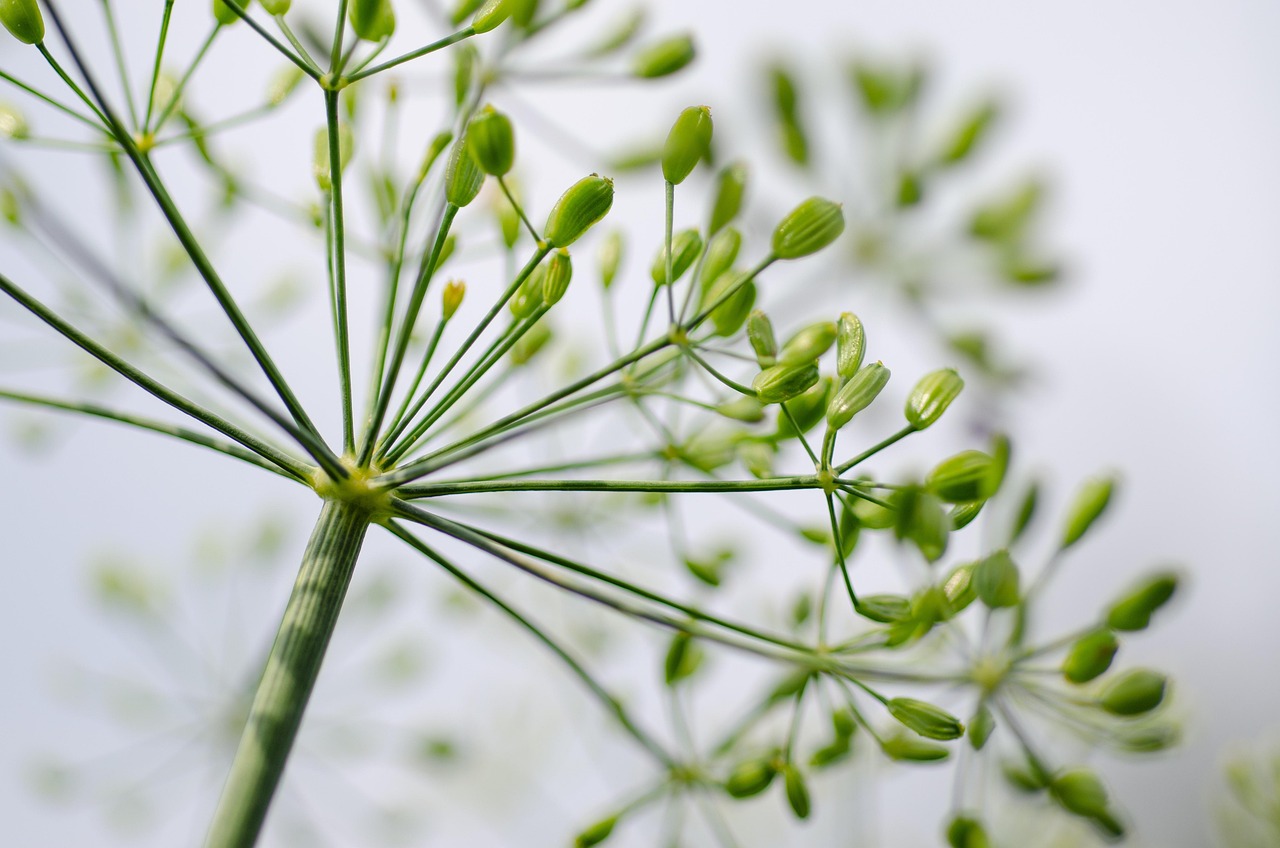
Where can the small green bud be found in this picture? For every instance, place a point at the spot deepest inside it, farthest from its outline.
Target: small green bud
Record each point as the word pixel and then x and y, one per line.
pixel 320 161
pixel 446 250
pixel 931 397
pixel 809 227
pixel 721 253
pixel 13 124
pixel 276 8
pixel 797 791
pixel 786 108
pixel 1149 739
pixel 1133 611
pixel 805 411
pixel 857 394
pixel 1089 504
pixel 1090 656
pixel 750 777
pixel 466 59
pixel 729 316
pixel 462 175
pixel 968 133
pixel 959 588
pixel 663 58
pixel 439 143
pixel 462 9
pixel 620 34
pixel 760 334
pixel 451 298
pixel 586 202
pixel 925 719
pixel 528 297
pixel 967 832
pixel 372 20
pixel 851 345
pixel 1005 218
pixel 829 755
pixel 687 143
pixel 966 477
pixel 911 749
pixel 783 382
pixel 910 189
pixel 745 409
pixel 885 91
pixel 962 515
pixel 530 344
pixel 1029 780
pixel 757 458
pixel 493 141
pixel 981 726
pixel 1079 791
pixel 610 258
pixel 685 249
pixel 1026 511
pixel 23 20
pixel 731 185
pixel 996 580
pixel 523 12
pixel 283 83
pixel 1134 692
pixel 886 609
pixel 559 273
pixel 491 15
pixel 808 344
pixel 223 13
pixel 596 834
pixel 921 519
pixel 683 659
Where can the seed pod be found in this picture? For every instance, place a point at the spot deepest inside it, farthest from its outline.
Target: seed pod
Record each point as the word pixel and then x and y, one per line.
pixel 783 382
pixel 372 20
pixel 731 184
pixel 886 609
pixel 586 202
pixel 750 777
pixel 757 458
pixel 523 12
pixel 462 175
pixel 809 227
pixel 684 657
pixel 966 477
pixel 222 13
pixel 721 253
pixel 962 515
pixel 687 143
pixel 959 589
pixel 685 249
pixel 912 749
pixel 1135 692
pixel 1079 791
pixel 857 394
pixel 921 519
pixel 1005 217
pixel 528 296
pixel 996 580
pixel 559 273
pixel 283 83
pixel 1089 504
pixel 610 258
pixel 967 832
pixel 729 316
pixel 808 344
pixel 663 58
pixel 968 133
pixel 439 143
pixel 795 142
pixel 320 161
pixel 13 124
pixel 851 345
pixel 744 409
pixel 805 411
pixel 1133 611
pixel 1090 656
pixel 493 141
pixel 596 834
pixel 530 344
pixel 23 20
pixel 797 791
pixel 1026 511
pixel 931 397
pixel 838 750
pixel 981 726
pixel 276 8
pixel 491 15
pixel 451 299
pixel 760 334
pixel 925 719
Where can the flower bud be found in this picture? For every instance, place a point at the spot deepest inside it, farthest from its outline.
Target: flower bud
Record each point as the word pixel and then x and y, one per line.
pixel 886 609
pixel 372 20
pixel 797 791
pixel 851 345
pixel 320 162
pixel 962 515
pixel 757 458
pixel 721 253
pixel 23 20
pixel 746 409
pixel 596 834
pixel 981 726
pixel 729 316
pixel 1090 656
pixel 283 83
pixel 276 8
pixel 931 397
pixel 222 13
pixel 683 659
pixel 808 344
pixel 967 832
pixel 959 588
pixel 1079 791
pixel 586 202
pixel 610 258
pixel 783 382
pixel 925 719
pixel 760 334
pixel 966 135
pixel 920 518
pixel 559 273
pixel 462 175
pixel 530 344
pixel 996 580
pixel 750 777
pixel 491 15
pixel 966 477
pixel 1135 692
pixel 13 124
pixel 731 184
pixel 1133 611
pixel 664 57
pixel 523 12
pixel 493 141
pixel 911 749
pixel 805 411
pixel 809 227
pixel 685 249
pixel 687 143
pixel 857 394
pixel 1089 504
pixel 528 297
pixel 438 144
pixel 451 298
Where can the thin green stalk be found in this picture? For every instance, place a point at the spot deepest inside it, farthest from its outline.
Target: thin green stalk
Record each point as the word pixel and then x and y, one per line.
pixel 66 78
pixel 155 68
pixel 876 448
pixel 122 67
pixel 670 284
pixel 339 34
pixel 57 104
pixel 724 298
pixel 576 465
pixel 839 546
pixel 302 60
pixel 290 675
pixel 414 54
pixel 186 77
pixel 506 191
pixel 338 248
pixel 287 31
pixel 398 420
pixel 769 484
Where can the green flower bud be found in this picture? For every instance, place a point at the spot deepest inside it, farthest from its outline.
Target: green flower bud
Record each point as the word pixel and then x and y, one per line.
pixel 222 13
pixel 914 750
pixel 683 659
pixel 686 246
pixel 621 34
pixel 276 8
pixel 596 834
pixel 857 394
pixel 959 588
pixel 492 141
pixel 320 161
pixel 910 189
pixel 885 91
pixel 966 832
pixel 838 750
pixel 23 20
pixel 372 20
pixel 1134 692
pixel 931 397
pixel 721 253
pixel 451 298
pixel 968 133
pixel 966 477
pixel 13 124
pixel 1026 511
pixel 729 316
pixel 687 143
pixel 760 334
pixel 528 297
pixel 283 83
pixel 439 143
pixel 886 609
pixel 809 227
pixel 586 202
pixel 808 344
pixel 530 344
pixel 523 12
pixel 757 458
pixel 805 411
pixel 873 516
pixel 462 9
pixel 491 15
pixel 1005 218
pixel 981 726
pixel 851 345
pixel 446 250
pixel 1089 504
pixel 783 382
pixel 731 184
pixel 925 719
pixel 1147 740
pixel 663 58
pixel 559 273
pixel 462 175
pixel 1079 791
pixel 743 409
pixel 996 580
pixel 1133 611
pixel 795 141
pixel 1027 780
pixel 610 258
pixel 465 61
pixel 921 519
pixel 1090 656
pixel 797 791
pixel 962 515
pixel 750 777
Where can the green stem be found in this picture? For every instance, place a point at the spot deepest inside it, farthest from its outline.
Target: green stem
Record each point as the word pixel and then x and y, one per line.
pixel 155 68
pixel 875 449
pixel 117 50
pixel 338 278
pixel 414 54
pixel 176 97
pixel 57 104
pixel 774 484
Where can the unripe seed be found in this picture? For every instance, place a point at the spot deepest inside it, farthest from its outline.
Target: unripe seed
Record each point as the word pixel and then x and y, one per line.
pixel 320 162
pixel 809 227
pixel 491 15
pixel 610 258
pixel 372 20
pixel 1079 791
pixel 23 20
pixel 851 345
pixel 223 13
pixel 687 143
pixel 559 273
pixel 283 84
pixel 804 412
pixel 663 58
pixel 1089 504
pixel 996 580
pixel 797 791
pixel 685 249
pixel 13 124
pixel 1090 656
pixel 750 778
pixel 586 202
pixel 760 334
pixel 931 397
pixel 1133 693
pixel 981 726
pixel 964 478
pixel 451 299
pixel 493 141
pixel 783 382
pixel 462 175
pixel 729 316
pixel 721 253
pixel 886 609
pixel 731 184
pixel 276 7
pixel 808 344
pixel 596 834
pixel 967 832
pixel 857 394
pixel 912 749
pixel 746 409
pixel 1134 610
pixel 925 719
pixel 528 296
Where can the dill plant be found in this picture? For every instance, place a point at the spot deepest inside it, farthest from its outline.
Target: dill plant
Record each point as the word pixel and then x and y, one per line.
pixel 717 403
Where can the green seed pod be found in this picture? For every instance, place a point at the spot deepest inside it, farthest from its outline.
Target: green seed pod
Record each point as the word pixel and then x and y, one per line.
pixel 13 124
pixel 559 273
pixel 809 227
pixel 921 519
pixel 760 334
pixel 786 107
pixel 1134 692
pixel 783 382
pixel 610 258
pixel 857 394
pixel 530 344
pixel 750 777
pixel 1134 610
pixel 910 189
pixel 1026 511
pixel 491 15
pixel 911 749
pixel 851 345
pixel 797 791
pixel 1090 656
pixel 283 83
pixel 528 297
pixel 23 20
pixel 663 58
pixel 439 143
pixel 967 832
pixel 970 130
pixel 451 298
pixel 372 20
pixel 757 458
pixel 829 755
pixel 1089 504
pixel 687 143
pixel 966 477
pixel 806 410
pixel 931 397
pixel 276 8
pixel 1005 218
pixel 886 609
pixel 1079 791
pixel 843 723
pixel 222 13
pixel 1029 780
pixel 996 580
pixel 959 588
pixel 745 409
pixel 721 253
pixel 731 185
pixel 462 9
pixel 10 206
pixel 462 175
pixel 523 12
pixel 686 246
pixel 446 250
pixel 493 141
pixel 729 316
pixel 683 659
pixel 586 202
pixel 808 344
pixel 1147 740
pixel 962 515
pixel 981 726
pixel 596 834
pixel 622 33
pixel 925 719
pixel 320 161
